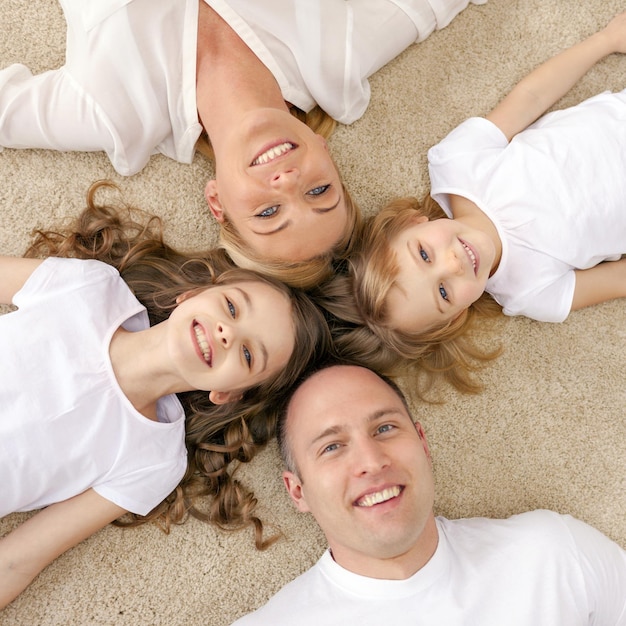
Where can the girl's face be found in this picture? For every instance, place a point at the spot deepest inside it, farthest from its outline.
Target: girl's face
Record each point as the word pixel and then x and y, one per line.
pixel 276 183
pixel 443 268
pixel 228 338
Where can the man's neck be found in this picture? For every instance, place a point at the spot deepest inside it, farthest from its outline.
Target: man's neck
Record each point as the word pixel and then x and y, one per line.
pixel 397 567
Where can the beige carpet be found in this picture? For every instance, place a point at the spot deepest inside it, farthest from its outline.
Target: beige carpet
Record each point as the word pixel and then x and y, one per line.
pixel 548 432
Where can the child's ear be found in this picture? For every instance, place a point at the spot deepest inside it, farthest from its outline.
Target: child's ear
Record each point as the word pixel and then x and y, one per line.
pixel 183 296
pixel 419 219
pixel 222 397
pixel 213 200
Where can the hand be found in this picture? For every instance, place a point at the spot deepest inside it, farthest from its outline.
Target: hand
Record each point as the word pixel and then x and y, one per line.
pixel 615 33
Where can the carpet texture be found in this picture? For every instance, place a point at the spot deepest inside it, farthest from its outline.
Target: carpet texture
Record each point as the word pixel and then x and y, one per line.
pixel 547 432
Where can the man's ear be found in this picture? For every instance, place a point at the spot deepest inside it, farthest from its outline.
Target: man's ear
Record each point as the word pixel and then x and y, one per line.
pixel 222 397
pixel 213 200
pixel 422 435
pixel 295 491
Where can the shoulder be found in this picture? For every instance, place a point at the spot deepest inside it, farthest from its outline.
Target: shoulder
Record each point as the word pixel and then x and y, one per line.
pixel 302 592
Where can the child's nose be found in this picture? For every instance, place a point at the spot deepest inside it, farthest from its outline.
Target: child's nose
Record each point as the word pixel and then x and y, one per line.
pixel 224 334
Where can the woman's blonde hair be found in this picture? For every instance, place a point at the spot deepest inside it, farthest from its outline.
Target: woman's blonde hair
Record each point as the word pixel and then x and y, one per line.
pixel 218 437
pixel 358 302
pixel 300 274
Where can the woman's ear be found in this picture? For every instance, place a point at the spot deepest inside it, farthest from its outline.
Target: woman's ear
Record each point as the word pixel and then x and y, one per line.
pixel 212 198
pixel 222 397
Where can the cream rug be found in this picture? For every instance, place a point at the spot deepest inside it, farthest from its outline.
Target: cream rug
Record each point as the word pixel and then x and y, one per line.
pixel 549 430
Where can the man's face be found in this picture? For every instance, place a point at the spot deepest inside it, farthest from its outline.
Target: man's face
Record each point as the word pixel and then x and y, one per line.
pixel 363 471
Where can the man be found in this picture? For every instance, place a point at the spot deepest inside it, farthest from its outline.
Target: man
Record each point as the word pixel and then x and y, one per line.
pixel 356 461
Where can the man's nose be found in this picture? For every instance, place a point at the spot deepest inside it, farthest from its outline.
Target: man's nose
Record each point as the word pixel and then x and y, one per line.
pixel 369 458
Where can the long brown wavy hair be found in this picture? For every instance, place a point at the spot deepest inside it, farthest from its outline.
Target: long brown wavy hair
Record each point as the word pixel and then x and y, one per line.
pixel 357 304
pixel 218 437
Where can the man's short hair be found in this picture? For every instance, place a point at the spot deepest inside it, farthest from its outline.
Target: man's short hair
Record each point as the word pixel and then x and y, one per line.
pixel 281 426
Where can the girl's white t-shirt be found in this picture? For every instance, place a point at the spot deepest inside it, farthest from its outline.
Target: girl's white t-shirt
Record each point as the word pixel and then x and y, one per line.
pixel 556 193
pixel 65 425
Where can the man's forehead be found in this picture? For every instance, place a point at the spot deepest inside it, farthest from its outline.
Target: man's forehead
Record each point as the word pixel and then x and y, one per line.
pixel 336 389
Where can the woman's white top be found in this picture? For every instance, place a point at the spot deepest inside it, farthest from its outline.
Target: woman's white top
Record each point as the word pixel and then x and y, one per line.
pixel 128 86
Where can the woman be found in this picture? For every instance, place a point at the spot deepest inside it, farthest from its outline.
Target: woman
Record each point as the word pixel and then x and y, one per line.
pixel 144 77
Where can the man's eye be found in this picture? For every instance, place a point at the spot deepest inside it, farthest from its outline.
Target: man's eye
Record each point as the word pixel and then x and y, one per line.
pixel 385 428
pixel 443 293
pixel 269 212
pixel 318 191
pixel 424 255
pixel 247 356
pixel 231 308
pixel 330 448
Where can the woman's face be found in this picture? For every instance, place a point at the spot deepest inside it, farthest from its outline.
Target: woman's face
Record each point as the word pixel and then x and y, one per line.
pixel 276 183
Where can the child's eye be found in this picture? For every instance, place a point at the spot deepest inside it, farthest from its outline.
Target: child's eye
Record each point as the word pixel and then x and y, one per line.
pixel 247 356
pixel 424 255
pixel 318 191
pixel 231 308
pixel 269 212
pixel 443 293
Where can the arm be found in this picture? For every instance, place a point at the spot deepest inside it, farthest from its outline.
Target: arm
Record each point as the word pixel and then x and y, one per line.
pixel 603 282
pixel 42 538
pixel 14 272
pixel 538 91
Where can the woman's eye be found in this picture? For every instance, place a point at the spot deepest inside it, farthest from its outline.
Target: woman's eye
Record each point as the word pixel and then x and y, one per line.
pixel 442 292
pixel 318 191
pixel 269 212
pixel 247 356
pixel 231 308
pixel 424 255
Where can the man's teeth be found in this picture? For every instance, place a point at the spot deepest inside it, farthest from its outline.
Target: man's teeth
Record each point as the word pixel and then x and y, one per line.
pixel 203 344
pixel 471 254
pixel 272 153
pixel 382 496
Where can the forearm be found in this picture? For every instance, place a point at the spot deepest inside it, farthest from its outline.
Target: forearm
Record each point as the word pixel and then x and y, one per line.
pixel 15 573
pixel 545 85
pixel 603 282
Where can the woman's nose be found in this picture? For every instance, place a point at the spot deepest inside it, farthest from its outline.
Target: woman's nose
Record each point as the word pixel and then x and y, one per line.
pixel 285 178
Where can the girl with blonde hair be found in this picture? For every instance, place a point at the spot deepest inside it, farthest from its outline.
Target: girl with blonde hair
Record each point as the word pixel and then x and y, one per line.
pixel 133 376
pixel 534 217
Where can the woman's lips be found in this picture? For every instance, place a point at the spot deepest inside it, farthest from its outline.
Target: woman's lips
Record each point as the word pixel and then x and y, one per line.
pixel 272 152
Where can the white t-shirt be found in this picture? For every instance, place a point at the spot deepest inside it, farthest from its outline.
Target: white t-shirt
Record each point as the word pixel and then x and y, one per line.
pixel 65 425
pixel 129 83
pixel 534 569
pixel 556 194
